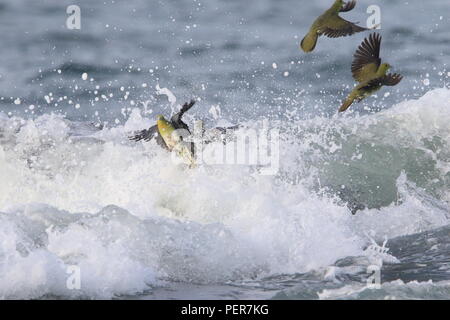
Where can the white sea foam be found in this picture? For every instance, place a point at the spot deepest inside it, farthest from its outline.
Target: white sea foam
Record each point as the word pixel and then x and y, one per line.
pixel 129 218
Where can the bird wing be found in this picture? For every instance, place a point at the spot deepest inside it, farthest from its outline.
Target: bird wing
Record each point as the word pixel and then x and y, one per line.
pixel 146 135
pixel 336 27
pixel 392 79
pixel 176 118
pixel 149 134
pixel 387 80
pixel 367 58
pixel 349 6
pixel 219 134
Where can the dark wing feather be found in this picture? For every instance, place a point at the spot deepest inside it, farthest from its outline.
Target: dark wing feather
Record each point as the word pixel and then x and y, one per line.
pixel 349 6
pixel 337 27
pixel 391 79
pixel 146 135
pixel 387 80
pixel 367 58
pixel 176 118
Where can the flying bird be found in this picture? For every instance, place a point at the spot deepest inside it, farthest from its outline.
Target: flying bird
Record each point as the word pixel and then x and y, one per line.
pixel 331 25
pixel 163 130
pixel 153 131
pixel 368 70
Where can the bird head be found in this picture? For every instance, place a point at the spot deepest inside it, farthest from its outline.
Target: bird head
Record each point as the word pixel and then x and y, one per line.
pixel 160 118
pixel 383 69
pixel 385 66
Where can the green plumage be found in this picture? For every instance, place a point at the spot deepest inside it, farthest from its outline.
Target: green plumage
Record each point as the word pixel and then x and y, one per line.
pixel 368 70
pixel 163 132
pixel 331 25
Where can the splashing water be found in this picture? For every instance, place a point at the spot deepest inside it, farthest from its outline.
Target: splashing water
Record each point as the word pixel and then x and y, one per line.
pixel 136 224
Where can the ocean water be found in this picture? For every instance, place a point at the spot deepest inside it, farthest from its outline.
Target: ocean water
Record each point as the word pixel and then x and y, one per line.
pixel 75 191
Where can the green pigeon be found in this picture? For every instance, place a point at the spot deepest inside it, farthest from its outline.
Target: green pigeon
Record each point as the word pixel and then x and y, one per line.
pixel 331 25
pixel 174 142
pixel 163 132
pixel 368 70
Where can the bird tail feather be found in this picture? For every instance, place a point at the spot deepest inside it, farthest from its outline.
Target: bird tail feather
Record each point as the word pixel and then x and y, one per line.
pixel 347 103
pixel 309 41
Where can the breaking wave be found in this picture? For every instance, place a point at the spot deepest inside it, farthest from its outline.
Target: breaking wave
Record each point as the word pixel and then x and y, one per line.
pixel 73 194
